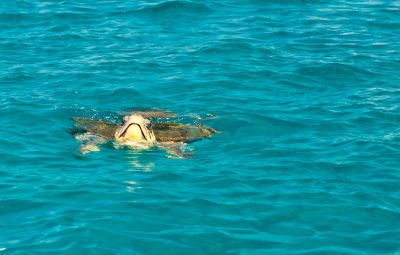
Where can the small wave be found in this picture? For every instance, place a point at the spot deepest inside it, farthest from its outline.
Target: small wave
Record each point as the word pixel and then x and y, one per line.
pixel 169 8
pixel 177 6
pixel 72 15
pixel 10 206
pixel 14 17
pixel 336 71
pixel 226 46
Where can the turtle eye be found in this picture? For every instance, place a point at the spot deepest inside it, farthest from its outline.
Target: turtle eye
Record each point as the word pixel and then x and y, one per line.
pixel 148 125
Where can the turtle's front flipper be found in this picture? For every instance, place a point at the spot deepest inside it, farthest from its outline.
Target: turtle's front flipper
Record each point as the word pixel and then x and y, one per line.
pixel 89 142
pixel 93 126
pixel 86 148
pixel 175 150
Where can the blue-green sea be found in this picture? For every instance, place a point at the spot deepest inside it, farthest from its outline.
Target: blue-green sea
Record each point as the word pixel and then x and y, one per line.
pixel 306 96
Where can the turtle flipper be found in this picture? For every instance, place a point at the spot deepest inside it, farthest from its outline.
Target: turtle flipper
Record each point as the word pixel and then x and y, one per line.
pixel 86 148
pixel 89 142
pixel 93 126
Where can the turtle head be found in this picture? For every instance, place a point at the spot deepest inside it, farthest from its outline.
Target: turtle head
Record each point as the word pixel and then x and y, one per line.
pixel 135 129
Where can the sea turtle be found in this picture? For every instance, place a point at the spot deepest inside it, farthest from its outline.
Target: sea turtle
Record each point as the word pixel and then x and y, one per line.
pixel 139 132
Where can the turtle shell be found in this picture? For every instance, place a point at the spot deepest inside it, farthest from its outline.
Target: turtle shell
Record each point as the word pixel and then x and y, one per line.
pixel 164 132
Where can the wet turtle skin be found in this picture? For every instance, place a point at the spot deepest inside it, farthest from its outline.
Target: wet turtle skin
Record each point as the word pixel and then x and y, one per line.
pixel 164 132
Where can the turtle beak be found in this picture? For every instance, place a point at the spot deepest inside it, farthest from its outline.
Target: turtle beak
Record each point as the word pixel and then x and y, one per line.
pixel 144 127
pixel 121 132
pixel 143 133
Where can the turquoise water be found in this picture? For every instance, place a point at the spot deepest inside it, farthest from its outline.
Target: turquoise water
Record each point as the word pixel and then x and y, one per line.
pixel 307 95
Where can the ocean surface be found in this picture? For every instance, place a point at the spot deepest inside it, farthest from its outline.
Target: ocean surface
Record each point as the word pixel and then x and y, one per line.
pixel 307 99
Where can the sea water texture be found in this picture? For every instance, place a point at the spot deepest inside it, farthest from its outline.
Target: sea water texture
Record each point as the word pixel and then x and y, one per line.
pixel 307 95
